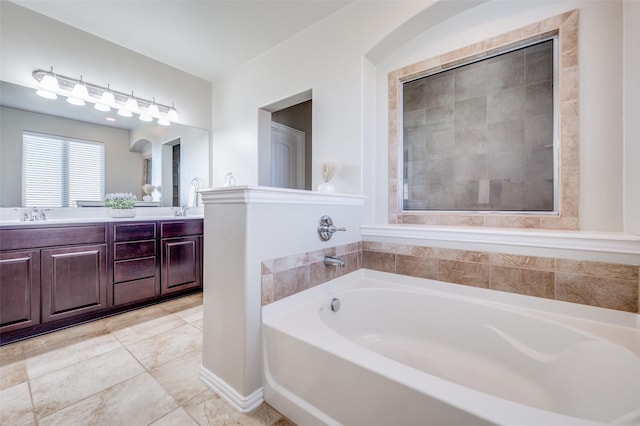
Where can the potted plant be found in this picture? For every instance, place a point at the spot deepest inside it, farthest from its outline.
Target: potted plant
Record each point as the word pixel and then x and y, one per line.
pixel 121 204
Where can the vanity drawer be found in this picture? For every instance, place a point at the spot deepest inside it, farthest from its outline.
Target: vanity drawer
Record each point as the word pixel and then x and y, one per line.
pixel 45 236
pixel 134 231
pixel 134 291
pixel 181 229
pixel 122 251
pixel 127 270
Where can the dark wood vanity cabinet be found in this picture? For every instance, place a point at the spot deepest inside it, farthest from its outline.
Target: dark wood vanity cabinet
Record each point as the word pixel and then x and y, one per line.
pixel 19 289
pixel 55 276
pixel 51 273
pixel 181 245
pixel 73 281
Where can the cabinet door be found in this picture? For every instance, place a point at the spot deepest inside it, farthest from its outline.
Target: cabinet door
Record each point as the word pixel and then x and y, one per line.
pixel 74 281
pixel 181 264
pixel 19 289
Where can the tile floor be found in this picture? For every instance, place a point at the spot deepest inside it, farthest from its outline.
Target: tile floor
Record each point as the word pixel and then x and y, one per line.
pixel 136 368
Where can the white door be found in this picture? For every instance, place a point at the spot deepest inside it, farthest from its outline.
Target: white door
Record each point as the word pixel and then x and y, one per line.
pixel 287 157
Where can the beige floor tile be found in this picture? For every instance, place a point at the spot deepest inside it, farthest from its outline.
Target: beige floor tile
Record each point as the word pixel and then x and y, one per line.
pixel 12 374
pixel 165 347
pixel 177 417
pixel 198 324
pixel 60 338
pixel 137 401
pixel 190 315
pixel 13 370
pixel 132 318
pixel 183 303
pixel 66 386
pixel 209 409
pixel 15 405
pixel 63 356
pixel 181 377
pixel 149 327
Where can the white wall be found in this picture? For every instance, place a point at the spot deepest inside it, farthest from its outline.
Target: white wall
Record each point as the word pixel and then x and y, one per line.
pixel 29 41
pixel 346 64
pixel 601 95
pixel 631 12
pixel 325 58
pixel 123 171
pixel 195 158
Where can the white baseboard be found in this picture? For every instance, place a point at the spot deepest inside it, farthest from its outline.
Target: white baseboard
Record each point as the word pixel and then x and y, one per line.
pixel 243 404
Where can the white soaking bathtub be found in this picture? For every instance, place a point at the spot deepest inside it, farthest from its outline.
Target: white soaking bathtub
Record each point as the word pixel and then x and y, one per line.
pixel 409 351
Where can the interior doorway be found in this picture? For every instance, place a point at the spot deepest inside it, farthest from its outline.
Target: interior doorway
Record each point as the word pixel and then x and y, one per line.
pixel 287 157
pixel 284 156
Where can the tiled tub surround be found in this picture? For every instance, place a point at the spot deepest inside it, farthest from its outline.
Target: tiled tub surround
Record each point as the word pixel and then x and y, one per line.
pixel 288 275
pixel 606 285
pixel 602 284
pixel 566 26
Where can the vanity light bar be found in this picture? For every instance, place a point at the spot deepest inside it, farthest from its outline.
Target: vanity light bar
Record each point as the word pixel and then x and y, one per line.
pixel 52 84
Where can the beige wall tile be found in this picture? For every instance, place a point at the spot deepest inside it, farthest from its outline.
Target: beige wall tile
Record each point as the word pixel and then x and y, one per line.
pixel 415 266
pixel 529 262
pixel 381 247
pixel 598 269
pixel 291 281
pixel 379 261
pixel 609 293
pixel 523 281
pixel 463 255
pixel 289 262
pixel 318 255
pixel 267 289
pixel 416 251
pixel 468 273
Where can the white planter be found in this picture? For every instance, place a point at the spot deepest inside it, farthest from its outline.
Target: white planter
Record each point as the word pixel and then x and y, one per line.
pixel 122 212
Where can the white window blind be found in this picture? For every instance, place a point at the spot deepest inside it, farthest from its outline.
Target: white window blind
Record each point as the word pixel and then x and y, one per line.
pixel 57 171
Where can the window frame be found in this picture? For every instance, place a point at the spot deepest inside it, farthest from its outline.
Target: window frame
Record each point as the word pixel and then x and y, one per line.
pixel 566 217
pixel 519 45
pixel 64 143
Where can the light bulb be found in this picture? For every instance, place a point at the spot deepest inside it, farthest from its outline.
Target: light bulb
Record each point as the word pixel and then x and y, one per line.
pixel 132 104
pixel 145 117
pixel 164 122
pixel 153 109
pixel 172 115
pixel 80 90
pixel 107 97
pixel 50 82
pixel 124 112
pixel 46 94
pixel 75 101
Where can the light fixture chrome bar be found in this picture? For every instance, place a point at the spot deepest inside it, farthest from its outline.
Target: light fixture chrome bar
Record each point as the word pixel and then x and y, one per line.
pixel 66 83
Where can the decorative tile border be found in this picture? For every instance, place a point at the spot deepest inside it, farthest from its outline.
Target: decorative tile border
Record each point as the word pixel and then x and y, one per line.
pixel 566 26
pixel 606 285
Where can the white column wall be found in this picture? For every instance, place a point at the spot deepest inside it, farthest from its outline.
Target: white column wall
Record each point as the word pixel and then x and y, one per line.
pixel 243 227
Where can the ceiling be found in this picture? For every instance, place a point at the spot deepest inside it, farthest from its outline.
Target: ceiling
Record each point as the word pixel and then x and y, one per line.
pixel 206 38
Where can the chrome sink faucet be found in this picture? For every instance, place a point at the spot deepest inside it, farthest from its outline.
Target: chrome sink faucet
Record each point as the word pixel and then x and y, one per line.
pixel 181 211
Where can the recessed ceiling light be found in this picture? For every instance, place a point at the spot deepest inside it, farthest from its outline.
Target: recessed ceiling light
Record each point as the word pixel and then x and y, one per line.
pixel 111 119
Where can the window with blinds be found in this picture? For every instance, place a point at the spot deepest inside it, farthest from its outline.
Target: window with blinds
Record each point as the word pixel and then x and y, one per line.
pixel 57 171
